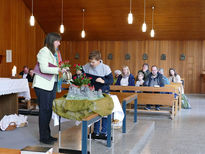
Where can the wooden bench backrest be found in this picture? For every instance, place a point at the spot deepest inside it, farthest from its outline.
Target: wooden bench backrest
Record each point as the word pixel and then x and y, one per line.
pixel 134 88
pixel 121 95
pixel 155 98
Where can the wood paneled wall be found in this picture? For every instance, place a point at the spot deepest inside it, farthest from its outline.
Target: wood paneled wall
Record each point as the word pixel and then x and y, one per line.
pixel 16 34
pixel 189 69
pixel 25 42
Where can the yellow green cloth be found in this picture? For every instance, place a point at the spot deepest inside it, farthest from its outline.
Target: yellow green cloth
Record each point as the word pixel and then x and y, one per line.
pixel 79 109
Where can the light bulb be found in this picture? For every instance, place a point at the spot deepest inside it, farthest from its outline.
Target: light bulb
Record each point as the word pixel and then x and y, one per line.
pixel 61 28
pixel 144 27
pixel 83 33
pixel 130 18
pixel 32 20
pixel 152 33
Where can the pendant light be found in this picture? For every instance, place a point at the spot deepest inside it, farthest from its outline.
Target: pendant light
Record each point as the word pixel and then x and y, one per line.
pixel 62 26
pixel 32 19
pixel 130 16
pixel 152 31
pixel 83 31
pixel 144 26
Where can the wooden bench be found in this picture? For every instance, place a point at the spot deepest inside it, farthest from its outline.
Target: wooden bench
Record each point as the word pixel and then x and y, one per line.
pixel 178 90
pixel 155 96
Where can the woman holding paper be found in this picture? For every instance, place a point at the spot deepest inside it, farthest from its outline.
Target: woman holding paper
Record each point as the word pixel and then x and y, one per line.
pixel 45 84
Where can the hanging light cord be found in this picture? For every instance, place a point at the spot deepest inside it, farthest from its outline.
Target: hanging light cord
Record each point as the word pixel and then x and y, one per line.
pixel 144 9
pixel 32 7
pixel 83 18
pixel 62 13
pixel 130 5
pixel 152 16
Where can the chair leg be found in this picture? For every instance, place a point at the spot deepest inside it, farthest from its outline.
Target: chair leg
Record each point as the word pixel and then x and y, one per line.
pixel 172 114
pixel 176 107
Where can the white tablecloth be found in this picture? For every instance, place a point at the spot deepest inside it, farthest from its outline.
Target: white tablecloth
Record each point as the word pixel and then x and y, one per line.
pixel 20 86
pixel 117 110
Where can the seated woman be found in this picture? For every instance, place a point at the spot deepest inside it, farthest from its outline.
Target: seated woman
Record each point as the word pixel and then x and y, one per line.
pixel 126 78
pixel 175 78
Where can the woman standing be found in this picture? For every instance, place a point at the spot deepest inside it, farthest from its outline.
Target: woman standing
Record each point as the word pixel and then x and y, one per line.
pixel 45 88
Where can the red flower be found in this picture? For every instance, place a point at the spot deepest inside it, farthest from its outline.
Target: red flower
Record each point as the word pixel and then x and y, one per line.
pixel 74 77
pixel 90 78
pixel 84 74
pixel 74 65
pixel 82 78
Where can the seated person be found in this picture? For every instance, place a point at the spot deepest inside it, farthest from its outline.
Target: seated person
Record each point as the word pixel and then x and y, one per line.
pixel 145 70
pixel 166 80
pixel 173 76
pixel 154 79
pixel 24 73
pixel 30 75
pixel 117 73
pixel 126 78
pixel 140 79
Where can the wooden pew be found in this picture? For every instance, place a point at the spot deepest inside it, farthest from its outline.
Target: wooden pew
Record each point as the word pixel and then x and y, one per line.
pixel 179 89
pixel 149 98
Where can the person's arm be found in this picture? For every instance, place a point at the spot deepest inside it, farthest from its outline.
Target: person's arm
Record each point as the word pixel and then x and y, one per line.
pixel 108 79
pixel 132 80
pixel 178 79
pixel 42 58
pixel 161 81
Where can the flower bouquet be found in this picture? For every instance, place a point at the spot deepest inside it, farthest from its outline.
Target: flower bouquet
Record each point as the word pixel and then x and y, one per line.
pixel 81 89
pixel 66 65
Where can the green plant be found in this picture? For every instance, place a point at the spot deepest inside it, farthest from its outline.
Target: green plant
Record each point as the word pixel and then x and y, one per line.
pixel 64 64
pixel 81 80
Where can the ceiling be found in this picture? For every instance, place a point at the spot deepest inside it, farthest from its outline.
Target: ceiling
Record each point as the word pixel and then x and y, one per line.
pixel 107 19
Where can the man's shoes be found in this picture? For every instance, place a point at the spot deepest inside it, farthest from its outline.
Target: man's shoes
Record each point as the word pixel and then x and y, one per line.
pixel 100 136
pixel 46 141
pixel 53 138
pixel 93 136
pixel 157 108
pixel 147 108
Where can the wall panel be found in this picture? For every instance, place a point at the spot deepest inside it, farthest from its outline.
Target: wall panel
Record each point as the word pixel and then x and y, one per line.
pixel 17 35
pixel 189 69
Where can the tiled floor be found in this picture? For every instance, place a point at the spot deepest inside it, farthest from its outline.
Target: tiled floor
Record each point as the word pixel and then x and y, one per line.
pixel 184 135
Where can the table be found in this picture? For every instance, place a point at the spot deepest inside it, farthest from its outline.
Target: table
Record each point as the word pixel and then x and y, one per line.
pixel 10 89
pixel 86 122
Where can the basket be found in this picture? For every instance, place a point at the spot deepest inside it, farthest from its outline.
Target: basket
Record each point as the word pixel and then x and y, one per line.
pixel 12 126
